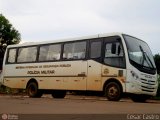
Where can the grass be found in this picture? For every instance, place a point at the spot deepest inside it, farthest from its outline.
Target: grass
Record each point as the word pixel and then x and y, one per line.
pixel 157 97
pixel 7 90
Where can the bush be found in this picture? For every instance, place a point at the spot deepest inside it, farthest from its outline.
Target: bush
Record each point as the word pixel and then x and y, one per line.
pixel 7 90
pixel 158 91
pixel 4 89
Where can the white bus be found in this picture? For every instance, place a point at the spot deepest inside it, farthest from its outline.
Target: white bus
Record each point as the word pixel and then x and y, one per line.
pixel 113 63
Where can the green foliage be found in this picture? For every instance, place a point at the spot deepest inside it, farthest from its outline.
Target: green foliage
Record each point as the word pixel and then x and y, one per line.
pixel 158 91
pixel 7 90
pixel 4 89
pixel 8 36
pixel 157 62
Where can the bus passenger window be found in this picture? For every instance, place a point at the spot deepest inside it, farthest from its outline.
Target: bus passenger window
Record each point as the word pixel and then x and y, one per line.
pixel 27 54
pixel 95 50
pixel 12 56
pixel 75 50
pixel 50 52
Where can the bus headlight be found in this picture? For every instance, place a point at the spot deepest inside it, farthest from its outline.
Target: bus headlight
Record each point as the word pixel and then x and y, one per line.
pixel 134 75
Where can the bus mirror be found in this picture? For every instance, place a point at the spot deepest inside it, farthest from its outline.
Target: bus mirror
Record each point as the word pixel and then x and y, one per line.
pixel 113 49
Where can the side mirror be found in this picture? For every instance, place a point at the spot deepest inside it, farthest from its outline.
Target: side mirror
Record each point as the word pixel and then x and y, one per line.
pixel 113 48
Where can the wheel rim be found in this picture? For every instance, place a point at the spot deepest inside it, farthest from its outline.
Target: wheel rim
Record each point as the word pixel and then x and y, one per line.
pixel 112 91
pixel 32 90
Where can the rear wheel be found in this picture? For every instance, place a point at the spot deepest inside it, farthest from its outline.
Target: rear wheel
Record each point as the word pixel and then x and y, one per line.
pixel 139 98
pixel 113 91
pixel 32 90
pixel 58 94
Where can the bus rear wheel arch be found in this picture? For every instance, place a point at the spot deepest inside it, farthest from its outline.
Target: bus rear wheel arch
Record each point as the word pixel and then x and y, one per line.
pixel 113 90
pixel 32 89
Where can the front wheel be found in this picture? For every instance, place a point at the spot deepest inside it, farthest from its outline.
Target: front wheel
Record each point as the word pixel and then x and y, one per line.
pixel 32 90
pixel 139 98
pixel 113 91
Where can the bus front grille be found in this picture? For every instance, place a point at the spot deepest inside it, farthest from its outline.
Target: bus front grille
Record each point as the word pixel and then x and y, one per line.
pixel 147 85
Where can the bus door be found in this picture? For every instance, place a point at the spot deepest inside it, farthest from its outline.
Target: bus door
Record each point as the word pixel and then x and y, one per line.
pixel 94 81
pixel 114 59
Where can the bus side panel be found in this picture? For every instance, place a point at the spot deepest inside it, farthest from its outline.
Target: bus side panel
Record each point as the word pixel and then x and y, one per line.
pixel 19 83
pixel 94 79
pixel 98 74
pixel 75 76
pixel 113 73
pixel 68 75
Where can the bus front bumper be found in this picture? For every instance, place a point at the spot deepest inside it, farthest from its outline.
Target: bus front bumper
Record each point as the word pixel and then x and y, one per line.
pixel 136 87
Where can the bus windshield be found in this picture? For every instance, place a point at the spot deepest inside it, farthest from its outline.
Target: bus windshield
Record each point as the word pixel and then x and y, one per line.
pixel 140 54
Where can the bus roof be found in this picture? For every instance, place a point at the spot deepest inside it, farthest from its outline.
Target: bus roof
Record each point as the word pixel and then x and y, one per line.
pixel 65 40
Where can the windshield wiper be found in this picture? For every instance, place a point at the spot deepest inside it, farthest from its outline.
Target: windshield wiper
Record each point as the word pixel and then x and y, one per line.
pixel 145 56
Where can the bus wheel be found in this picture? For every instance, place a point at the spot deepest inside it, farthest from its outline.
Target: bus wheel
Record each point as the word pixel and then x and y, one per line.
pixel 139 98
pixel 113 91
pixel 32 90
pixel 58 94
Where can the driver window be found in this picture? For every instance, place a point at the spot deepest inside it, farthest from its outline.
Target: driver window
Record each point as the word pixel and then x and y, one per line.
pixel 114 54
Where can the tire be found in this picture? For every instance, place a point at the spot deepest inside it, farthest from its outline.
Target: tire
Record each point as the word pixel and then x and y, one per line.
pixel 32 90
pixel 139 98
pixel 58 94
pixel 113 91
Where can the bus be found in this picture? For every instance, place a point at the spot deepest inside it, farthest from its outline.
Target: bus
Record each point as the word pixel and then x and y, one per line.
pixel 114 64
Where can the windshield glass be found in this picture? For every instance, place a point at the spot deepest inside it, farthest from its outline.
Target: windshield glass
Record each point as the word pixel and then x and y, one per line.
pixel 139 52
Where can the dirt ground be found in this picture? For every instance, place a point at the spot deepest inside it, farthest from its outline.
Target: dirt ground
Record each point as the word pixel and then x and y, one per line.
pixel 75 105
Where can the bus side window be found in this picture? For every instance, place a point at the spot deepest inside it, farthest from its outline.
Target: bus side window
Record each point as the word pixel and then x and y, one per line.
pixel 67 53
pixel 27 54
pixel 95 49
pixel 75 50
pixel 11 56
pixel 79 50
pixel 50 52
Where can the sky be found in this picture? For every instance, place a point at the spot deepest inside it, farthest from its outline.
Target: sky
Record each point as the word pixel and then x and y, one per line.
pixel 44 20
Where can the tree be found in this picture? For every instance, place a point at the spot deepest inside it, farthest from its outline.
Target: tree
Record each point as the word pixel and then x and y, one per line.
pixel 157 62
pixel 8 36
